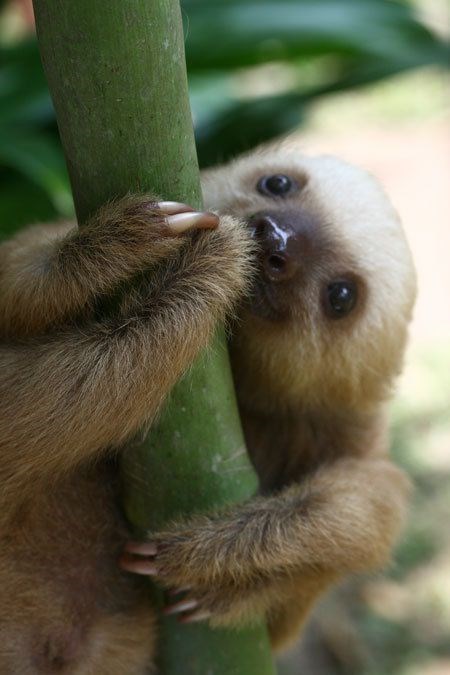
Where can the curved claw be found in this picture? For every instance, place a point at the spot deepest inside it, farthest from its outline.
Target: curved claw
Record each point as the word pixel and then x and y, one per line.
pixel 193 617
pixel 170 208
pixel 138 565
pixel 144 548
pixel 183 222
pixel 181 606
pixel 172 592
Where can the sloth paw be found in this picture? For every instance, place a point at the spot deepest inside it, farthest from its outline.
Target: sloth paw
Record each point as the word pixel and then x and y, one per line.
pixel 187 608
pixel 196 590
pixel 226 605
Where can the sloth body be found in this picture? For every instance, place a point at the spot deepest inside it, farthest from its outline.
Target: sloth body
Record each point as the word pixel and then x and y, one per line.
pixel 315 351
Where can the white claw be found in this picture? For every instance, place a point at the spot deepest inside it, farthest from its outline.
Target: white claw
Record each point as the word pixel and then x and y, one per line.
pixel 182 222
pixel 201 615
pixel 181 606
pixel 170 208
pixel 145 548
pixel 138 566
pixel 177 591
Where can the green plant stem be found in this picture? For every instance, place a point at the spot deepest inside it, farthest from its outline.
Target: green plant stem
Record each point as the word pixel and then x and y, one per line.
pixel 116 72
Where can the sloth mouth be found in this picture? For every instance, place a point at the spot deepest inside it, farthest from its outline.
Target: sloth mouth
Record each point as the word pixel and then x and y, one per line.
pixel 268 303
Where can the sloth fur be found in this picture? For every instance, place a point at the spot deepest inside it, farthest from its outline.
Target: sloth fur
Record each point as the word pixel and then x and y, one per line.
pixel 80 376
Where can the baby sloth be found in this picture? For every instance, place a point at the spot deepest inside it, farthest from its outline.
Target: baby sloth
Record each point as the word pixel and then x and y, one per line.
pixel 314 356
pixel 318 341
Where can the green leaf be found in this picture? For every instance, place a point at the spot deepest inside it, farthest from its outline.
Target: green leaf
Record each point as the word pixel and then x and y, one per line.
pixel 244 125
pixel 256 31
pixel 356 42
pixel 21 202
pixel 24 95
pixel 40 159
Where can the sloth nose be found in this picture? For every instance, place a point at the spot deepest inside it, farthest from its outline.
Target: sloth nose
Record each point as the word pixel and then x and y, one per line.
pixel 284 239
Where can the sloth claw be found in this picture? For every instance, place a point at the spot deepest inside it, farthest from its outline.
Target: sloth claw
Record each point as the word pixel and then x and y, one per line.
pixel 194 617
pixel 171 208
pixel 178 591
pixel 138 565
pixel 145 548
pixel 181 606
pixel 182 217
pixel 183 222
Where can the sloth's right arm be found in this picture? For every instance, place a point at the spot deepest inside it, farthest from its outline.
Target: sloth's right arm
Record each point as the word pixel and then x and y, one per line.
pixel 51 273
pixel 66 395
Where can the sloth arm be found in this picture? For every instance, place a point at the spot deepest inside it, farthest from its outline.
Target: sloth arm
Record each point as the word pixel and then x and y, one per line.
pixel 273 555
pixel 67 395
pixel 51 273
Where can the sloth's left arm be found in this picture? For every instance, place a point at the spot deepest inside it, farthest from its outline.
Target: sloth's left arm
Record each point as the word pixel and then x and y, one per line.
pixel 250 559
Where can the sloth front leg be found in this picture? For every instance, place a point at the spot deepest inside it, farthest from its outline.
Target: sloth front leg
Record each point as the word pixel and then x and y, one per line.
pixel 68 396
pixel 342 519
pixel 49 274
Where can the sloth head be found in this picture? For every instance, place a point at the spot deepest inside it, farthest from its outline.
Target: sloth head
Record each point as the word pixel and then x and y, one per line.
pixel 327 320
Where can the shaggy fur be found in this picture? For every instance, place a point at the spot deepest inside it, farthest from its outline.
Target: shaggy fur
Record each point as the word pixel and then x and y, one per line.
pixel 96 328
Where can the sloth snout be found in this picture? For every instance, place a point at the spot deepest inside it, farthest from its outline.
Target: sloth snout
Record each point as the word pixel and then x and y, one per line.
pixel 285 239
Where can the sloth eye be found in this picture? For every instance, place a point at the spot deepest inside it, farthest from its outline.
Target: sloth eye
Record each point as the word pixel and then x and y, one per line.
pixel 340 298
pixel 277 185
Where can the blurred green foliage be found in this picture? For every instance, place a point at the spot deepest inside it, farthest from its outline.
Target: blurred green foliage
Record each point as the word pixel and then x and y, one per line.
pixel 254 67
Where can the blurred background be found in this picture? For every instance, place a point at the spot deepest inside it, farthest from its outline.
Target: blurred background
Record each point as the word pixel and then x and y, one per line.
pixel 367 80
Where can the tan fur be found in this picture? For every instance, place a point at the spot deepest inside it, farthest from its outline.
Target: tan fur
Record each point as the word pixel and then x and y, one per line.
pixel 75 387
pixel 312 397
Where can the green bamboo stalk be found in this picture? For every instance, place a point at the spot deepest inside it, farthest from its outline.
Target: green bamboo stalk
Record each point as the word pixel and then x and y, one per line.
pixel 116 72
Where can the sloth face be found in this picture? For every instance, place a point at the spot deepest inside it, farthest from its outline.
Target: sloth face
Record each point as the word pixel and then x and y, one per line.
pixel 296 261
pixel 336 284
pixel 309 271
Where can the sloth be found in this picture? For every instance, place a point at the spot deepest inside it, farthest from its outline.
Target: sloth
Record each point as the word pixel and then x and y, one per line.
pixel 308 258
